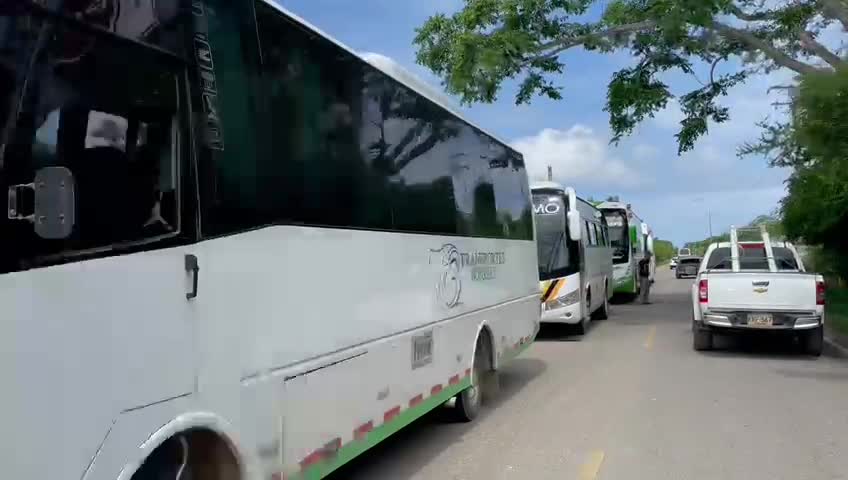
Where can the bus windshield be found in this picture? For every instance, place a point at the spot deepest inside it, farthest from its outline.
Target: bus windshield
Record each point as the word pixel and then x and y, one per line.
pixel 619 240
pixel 551 235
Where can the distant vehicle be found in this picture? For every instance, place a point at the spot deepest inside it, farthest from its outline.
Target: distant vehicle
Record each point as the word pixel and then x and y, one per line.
pixel 631 239
pixel 684 252
pixel 757 286
pixel 575 256
pixel 177 207
pixel 687 267
pixel 673 263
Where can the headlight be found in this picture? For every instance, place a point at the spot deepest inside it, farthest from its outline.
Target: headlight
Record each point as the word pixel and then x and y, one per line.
pixel 568 299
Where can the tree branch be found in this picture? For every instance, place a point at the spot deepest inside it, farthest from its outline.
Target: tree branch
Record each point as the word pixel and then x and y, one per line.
pixel 811 45
pixel 558 46
pixel 765 47
pixel 836 9
pixel 749 17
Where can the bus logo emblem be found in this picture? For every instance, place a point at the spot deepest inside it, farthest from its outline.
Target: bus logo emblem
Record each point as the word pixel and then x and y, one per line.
pixel 449 285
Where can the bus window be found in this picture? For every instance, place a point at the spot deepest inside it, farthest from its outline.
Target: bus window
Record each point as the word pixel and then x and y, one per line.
pixel 354 148
pixel 113 124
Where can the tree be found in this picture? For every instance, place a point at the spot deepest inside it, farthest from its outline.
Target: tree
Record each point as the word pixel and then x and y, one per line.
pixel 663 250
pixel 490 41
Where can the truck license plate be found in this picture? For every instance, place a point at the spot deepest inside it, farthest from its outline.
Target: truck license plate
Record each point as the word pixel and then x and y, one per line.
pixel 760 320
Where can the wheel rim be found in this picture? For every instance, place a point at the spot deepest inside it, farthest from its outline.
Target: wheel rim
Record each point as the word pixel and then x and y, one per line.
pixel 473 392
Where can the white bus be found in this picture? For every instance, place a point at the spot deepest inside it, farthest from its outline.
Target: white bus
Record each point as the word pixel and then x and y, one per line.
pixel 631 239
pixel 234 249
pixel 575 257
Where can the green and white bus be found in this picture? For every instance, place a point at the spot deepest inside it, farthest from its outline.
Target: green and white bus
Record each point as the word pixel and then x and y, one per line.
pixel 631 239
pixel 235 249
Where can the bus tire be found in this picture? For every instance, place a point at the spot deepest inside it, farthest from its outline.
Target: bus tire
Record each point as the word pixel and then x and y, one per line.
pixel 470 400
pixel 602 313
pixel 196 454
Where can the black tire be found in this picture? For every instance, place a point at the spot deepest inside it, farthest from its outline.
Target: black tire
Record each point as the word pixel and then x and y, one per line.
pixel 164 463
pixel 677 276
pixel 813 342
pixel 702 339
pixel 581 327
pixel 603 312
pixel 470 400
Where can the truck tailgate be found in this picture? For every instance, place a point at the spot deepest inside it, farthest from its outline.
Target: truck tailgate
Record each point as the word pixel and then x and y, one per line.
pixel 753 290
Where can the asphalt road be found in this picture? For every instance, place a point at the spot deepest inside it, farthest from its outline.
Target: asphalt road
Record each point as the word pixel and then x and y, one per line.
pixel 632 400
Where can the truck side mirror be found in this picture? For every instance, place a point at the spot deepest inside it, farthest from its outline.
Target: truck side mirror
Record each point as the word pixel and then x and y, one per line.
pixel 48 203
pixel 574 227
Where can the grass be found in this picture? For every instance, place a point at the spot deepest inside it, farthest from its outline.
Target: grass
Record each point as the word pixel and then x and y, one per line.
pixel 837 309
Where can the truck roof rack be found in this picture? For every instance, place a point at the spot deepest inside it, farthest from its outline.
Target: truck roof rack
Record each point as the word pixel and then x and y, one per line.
pixel 764 238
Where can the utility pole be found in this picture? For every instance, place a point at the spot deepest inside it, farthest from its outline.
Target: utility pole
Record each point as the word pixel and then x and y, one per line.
pixel 550 173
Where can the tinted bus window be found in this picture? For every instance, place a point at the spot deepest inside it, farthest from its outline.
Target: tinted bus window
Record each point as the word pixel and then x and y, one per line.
pixel 115 125
pixel 354 148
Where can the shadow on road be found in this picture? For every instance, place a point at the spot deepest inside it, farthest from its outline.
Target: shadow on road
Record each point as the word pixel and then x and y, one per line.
pixel 432 434
pixel 555 332
pixel 772 347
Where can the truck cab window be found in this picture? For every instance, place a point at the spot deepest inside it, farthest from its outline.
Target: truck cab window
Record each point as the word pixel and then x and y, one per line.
pixel 108 113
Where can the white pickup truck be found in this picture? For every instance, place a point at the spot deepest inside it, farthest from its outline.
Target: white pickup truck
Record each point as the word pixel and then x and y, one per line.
pixel 757 286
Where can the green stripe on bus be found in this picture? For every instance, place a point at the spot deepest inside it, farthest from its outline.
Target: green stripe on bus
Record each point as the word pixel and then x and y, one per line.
pixel 357 447
pixel 627 287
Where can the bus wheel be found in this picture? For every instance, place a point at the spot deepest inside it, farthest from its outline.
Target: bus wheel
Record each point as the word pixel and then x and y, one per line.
pixel 602 313
pixel 197 454
pixel 469 401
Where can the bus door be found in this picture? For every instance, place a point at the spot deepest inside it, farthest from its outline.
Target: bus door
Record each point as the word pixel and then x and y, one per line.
pixel 96 275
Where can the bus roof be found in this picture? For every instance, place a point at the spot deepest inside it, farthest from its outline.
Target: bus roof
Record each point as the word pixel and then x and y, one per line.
pixel 395 72
pixel 546 185
pixel 613 206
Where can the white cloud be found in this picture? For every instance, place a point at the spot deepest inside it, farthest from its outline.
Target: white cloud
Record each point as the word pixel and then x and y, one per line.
pixel 578 156
pixel 644 151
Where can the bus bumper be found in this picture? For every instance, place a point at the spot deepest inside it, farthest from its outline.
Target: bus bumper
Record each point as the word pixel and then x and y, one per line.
pixel 570 314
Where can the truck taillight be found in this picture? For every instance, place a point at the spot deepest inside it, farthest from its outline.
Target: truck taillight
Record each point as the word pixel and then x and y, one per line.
pixel 820 291
pixel 703 291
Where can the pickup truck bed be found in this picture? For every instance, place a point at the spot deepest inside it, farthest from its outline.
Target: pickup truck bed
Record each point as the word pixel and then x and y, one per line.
pixel 781 297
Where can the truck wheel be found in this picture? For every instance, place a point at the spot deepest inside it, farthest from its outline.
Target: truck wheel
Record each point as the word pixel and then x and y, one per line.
pixel 813 342
pixel 702 339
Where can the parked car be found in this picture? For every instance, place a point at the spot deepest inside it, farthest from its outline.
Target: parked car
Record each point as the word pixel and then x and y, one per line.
pixel 758 286
pixel 687 267
pixel 673 264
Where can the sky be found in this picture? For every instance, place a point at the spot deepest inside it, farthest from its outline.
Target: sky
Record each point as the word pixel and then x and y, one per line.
pixel 681 197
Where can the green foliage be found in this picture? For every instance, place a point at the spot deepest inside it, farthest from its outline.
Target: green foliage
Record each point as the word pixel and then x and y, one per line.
pixel 488 42
pixel 663 250
pixel 816 207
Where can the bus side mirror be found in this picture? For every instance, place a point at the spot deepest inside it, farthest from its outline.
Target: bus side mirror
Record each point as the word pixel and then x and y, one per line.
pixel 48 203
pixel 574 227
